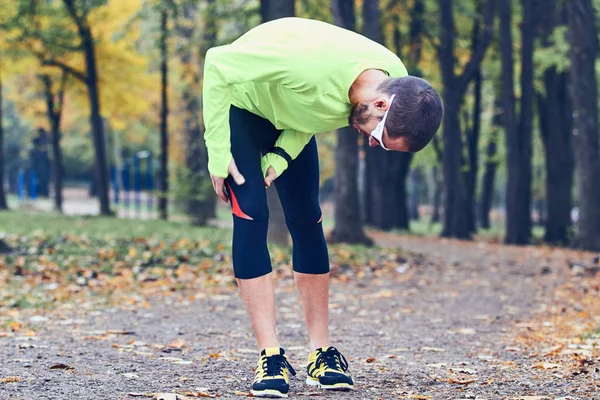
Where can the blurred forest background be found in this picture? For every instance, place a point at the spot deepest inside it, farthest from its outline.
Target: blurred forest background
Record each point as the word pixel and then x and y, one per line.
pixel 101 113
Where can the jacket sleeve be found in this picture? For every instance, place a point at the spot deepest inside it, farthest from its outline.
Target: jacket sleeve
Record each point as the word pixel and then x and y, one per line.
pixel 224 67
pixel 292 142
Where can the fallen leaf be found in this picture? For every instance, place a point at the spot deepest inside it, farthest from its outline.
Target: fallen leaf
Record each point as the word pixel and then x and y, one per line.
pixel 371 360
pixel 577 352
pixel 309 394
pixel 488 382
pixel 121 332
pixel 178 344
pixel 171 359
pixel 462 381
pixel 199 394
pixel 61 366
pixel 465 371
pixel 552 350
pixel 15 326
pixel 548 366
pixel 437 365
pixel 532 398
pixel 238 393
pixel 384 294
pixel 9 379
pixel 433 349
pixel 165 396
pixel 170 396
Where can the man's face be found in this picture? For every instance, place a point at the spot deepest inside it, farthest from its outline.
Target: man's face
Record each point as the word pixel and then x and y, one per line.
pixel 365 117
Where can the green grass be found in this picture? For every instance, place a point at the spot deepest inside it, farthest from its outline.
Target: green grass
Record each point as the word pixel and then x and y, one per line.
pixel 48 224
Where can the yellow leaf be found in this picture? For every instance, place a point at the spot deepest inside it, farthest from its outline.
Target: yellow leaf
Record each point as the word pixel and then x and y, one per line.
pixel 9 379
pixel 15 326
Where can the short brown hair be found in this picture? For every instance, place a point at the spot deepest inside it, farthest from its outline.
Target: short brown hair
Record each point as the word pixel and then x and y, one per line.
pixel 416 112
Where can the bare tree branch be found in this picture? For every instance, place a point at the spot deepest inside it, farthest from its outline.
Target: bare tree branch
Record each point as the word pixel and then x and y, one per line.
pixel 77 74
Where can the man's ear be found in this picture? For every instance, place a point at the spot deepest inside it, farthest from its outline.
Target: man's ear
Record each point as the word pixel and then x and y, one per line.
pixel 381 103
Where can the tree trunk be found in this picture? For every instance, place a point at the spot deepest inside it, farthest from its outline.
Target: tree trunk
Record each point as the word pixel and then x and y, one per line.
pixel 526 120
pixel 399 168
pixel 436 195
pixel 39 163
pixel 348 220
pixel 97 129
pixel 473 137
pixel 200 203
pixel 415 189
pixel 385 209
pixel 164 115
pixel 348 223
pixel 455 204
pixel 3 204
pixel 378 200
pixel 518 137
pixel 54 113
pixel 275 9
pixel 487 186
pixel 91 80
pixel 583 51
pixel 455 194
pixel 278 233
pixel 555 126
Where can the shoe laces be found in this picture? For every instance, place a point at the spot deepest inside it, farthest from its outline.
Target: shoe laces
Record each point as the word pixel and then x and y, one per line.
pixel 331 358
pixel 273 365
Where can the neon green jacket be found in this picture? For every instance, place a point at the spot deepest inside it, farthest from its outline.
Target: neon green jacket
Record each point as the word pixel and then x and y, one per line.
pixel 294 72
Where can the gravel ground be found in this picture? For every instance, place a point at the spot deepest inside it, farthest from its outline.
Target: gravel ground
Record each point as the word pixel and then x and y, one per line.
pixel 446 325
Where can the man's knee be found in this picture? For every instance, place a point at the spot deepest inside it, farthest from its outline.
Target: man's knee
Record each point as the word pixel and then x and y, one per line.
pixel 307 214
pixel 310 255
pixel 248 205
pixel 250 253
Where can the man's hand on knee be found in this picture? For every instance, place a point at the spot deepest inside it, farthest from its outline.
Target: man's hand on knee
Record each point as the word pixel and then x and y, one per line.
pixel 218 182
pixel 270 177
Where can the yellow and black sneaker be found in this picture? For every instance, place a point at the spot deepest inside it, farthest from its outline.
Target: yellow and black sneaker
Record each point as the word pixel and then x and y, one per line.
pixel 327 368
pixel 272 374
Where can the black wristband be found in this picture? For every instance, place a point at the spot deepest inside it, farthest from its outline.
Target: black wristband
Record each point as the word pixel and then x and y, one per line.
pixel 282 153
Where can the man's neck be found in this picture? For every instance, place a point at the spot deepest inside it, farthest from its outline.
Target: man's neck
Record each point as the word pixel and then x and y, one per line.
pixel 365 86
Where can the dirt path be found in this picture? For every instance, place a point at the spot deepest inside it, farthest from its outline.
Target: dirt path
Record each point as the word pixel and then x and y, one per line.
pixel 446 325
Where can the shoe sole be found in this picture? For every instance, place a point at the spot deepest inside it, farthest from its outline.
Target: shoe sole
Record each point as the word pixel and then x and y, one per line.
pixel 337 386
pixel 269 393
